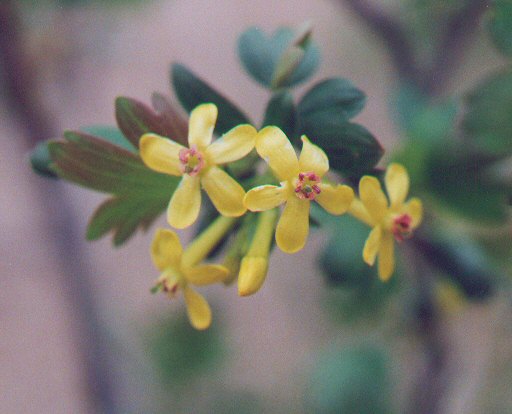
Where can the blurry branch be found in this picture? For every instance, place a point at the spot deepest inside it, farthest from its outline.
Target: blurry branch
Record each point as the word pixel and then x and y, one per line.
pixel 391 33
pixel 432 380
pixel 456 35
pixel 20 77
pixel 20 86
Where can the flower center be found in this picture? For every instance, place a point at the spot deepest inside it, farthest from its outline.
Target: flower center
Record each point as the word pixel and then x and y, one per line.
pixel 168 282
pixel 192 161
pixel 306 186
pixel 402 227
pixel 170 288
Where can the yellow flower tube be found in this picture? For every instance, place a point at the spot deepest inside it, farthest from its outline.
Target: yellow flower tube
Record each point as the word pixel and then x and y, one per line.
pixel 254 266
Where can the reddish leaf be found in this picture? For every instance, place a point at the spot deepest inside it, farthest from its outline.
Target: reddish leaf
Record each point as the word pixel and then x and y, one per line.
pixel 135 119
pixel 140 194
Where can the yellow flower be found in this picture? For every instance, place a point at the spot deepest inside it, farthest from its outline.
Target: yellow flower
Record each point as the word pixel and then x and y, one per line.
pixel 198 165
pixel 396 219
pixel 300 184
pixel 179 271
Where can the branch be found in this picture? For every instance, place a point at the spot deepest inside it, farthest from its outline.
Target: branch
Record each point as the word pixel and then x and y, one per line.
pixel 25 105
pixel 392 34
pixel 431 383
pixel 458 33
pixel 20 80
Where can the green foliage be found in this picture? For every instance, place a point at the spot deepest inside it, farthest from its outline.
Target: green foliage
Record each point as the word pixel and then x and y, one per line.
pixel 359 292
pixel 236 402
pixel 423 121
pixel 281 60
pixel 135 119
pixel 351 148
pixel 281 112
pixel 192 91
pixel 459 178
pixel 341 260
pixel 41 161
pixel 139 194
pixel 499 24
pixel 323 115
pixel 350 380
pixel 332 100
pixel 110 134
pixel 181 353
pixel 462 260
pixel 488 121
pixel 465 185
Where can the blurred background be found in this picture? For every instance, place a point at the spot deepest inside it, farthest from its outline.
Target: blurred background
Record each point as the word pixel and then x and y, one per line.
pixel 79 331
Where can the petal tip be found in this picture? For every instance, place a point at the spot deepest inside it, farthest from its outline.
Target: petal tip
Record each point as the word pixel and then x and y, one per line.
pixel 253 272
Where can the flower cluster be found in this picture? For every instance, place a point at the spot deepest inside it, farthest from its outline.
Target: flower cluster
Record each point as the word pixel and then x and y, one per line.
pixel 295 182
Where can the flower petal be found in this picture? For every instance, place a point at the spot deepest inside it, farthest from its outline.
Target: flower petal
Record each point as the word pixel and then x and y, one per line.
pixel 414 208
pixel 293 226
pixel 166 249
pixel 372 245
pixel 226 194
pixel 200 125
pixel 161 154
pixel 253 271
pixel 265 197
pixel 185 203
pixel 233 145
pixel 335 199
pixel 397 184
pixel 275 148
pixel 358 210
pixel 198 310
pixel 206 274
pixel 372 197
pixel 386 256
pixel 312 158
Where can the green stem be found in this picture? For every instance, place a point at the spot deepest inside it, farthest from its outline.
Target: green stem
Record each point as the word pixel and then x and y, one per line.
pixel 260 244
pixel 202 245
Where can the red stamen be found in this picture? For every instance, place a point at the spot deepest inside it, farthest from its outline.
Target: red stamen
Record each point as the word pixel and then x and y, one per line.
pixel 192 161
pixel 402 227
pixel 306 187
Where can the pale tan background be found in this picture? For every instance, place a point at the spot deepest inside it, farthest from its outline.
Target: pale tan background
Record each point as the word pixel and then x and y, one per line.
pixel 105 53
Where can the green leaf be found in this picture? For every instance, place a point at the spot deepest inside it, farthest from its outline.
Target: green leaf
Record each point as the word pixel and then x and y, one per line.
pixel 357 292
pixel 342 260
pixel 139 194
pixel 423 120
pixel 41 161
pixel 352 150
pixel 135 119
pixel 488 121
pixel 110 134
pixel 464 185
pixel 332 99
pixel 499 24
pixel 281 60
pixel 281 113
pixel 192 91
pixel 182 353
pixel 123 215
pixel 460 259
pixel 350 380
